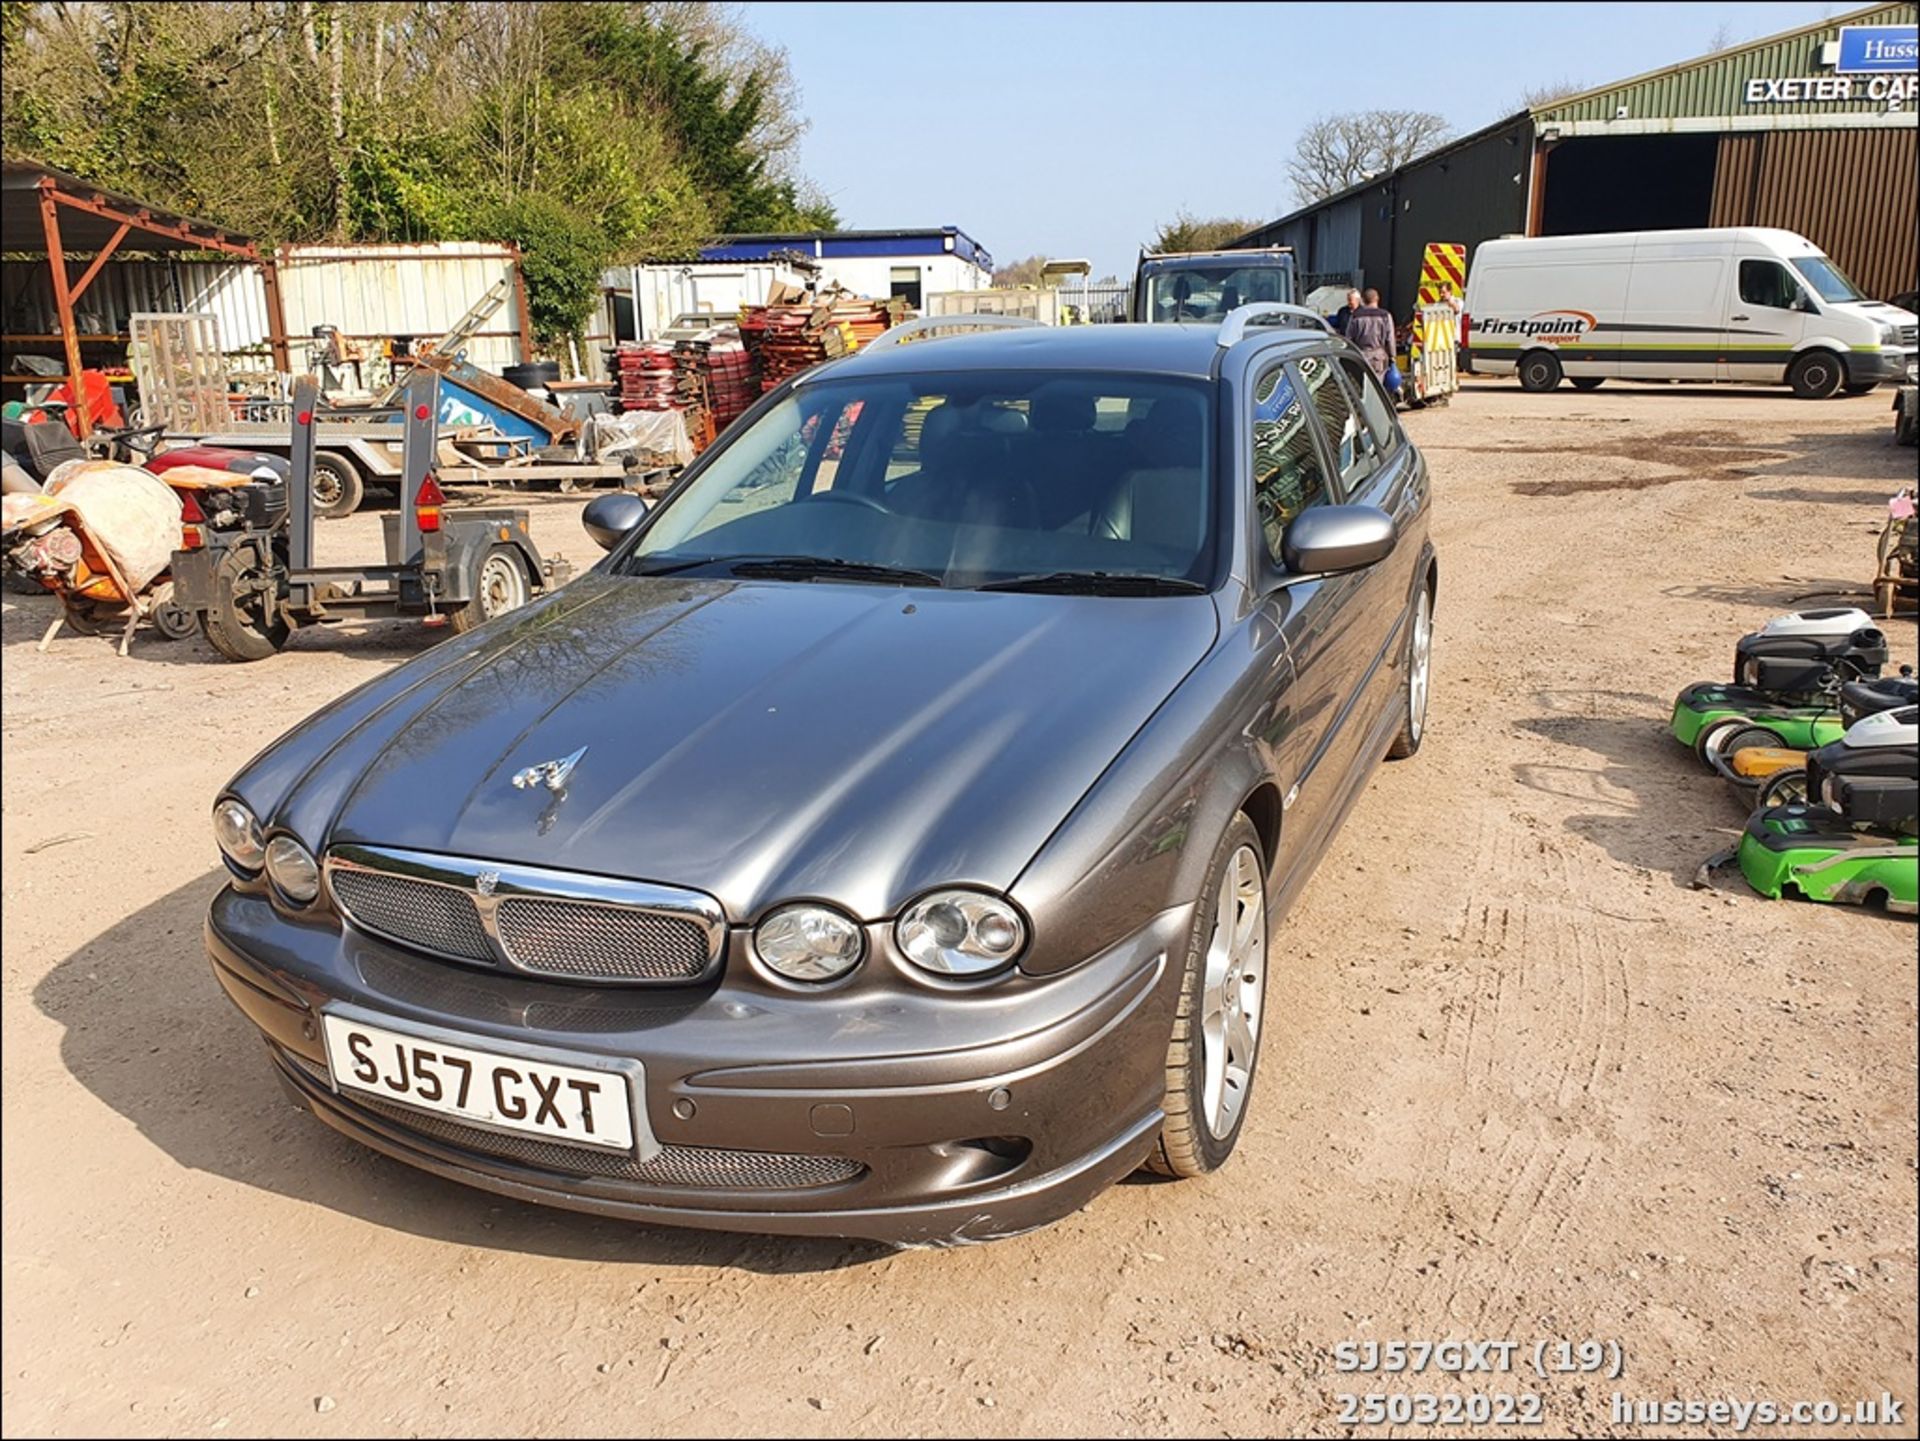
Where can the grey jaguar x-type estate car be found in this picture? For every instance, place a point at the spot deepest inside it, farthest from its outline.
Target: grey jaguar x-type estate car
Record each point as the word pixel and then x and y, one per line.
pixel 886 837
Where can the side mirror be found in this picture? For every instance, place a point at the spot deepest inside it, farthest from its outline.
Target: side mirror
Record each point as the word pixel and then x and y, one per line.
pixel 1804 302
pixel 608 518
pixel 1327 539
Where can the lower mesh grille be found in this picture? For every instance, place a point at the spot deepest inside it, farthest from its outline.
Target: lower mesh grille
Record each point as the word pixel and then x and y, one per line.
pixel 414 913
pixel 568 939
pixel 701 1167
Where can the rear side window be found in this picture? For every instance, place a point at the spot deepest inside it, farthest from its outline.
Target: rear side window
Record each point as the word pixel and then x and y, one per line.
pixel 1352 446
pixel 1287 473
pixel 1373 405
pixel 1766 282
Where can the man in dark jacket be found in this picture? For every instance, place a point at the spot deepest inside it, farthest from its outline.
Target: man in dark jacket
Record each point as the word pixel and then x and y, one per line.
pixel 1371 329
pixel 1345 312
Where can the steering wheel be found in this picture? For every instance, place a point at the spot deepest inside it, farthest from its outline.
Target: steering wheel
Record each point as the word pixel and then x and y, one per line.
pixel 130 436
pixel 848 497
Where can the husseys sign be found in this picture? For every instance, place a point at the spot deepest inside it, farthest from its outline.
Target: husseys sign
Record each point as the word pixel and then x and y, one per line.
pixel 1875 63
pixel 1555 327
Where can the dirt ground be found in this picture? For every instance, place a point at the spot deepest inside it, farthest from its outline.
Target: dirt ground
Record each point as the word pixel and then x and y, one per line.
pixel 1520 1081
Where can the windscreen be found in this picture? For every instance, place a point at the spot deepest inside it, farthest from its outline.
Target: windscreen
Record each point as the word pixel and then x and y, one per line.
pixel 964 479
pixel 1208 292
pixel 1826 278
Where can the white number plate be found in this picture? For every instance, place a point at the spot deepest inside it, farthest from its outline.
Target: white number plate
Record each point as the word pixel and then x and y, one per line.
pixel 511 1093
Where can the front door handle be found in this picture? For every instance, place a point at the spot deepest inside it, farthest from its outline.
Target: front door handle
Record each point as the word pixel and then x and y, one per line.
pixel 1740 317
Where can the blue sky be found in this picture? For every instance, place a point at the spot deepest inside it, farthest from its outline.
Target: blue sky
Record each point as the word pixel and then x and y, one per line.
pixel 1073 129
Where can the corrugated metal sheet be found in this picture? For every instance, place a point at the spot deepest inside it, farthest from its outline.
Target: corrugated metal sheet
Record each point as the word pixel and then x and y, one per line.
pixel 383 290
pixel 1463 195
pixel 231 291
pixel 1851 192
pixel 1715 85
pixel 1335 242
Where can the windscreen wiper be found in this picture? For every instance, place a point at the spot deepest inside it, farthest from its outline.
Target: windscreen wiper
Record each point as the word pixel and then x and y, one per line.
pixel 1097 582
pixel 818 567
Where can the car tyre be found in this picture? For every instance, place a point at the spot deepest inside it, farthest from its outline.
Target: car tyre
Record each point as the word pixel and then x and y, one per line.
pixel 1419 684
pixel 1539 371
pixel 1817 375
pixel 1215 1049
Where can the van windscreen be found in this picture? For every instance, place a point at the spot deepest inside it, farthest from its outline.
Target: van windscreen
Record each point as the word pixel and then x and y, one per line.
pixel 1826 278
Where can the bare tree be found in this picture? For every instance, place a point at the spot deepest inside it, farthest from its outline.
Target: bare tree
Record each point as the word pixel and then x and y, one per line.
pixel 1021 272
pixel 1540 96
pixel 1337 152
pixel 1722 38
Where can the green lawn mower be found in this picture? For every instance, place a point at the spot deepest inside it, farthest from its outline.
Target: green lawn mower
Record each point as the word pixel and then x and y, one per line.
pixel 1857 840
pixel 1785 688
pixel 1767 773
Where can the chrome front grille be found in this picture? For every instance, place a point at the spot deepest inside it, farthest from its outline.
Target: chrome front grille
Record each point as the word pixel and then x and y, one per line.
pixel 693 1167
pixel 526 918
pixel 414 913
pixel 1909 334
pixel 563 938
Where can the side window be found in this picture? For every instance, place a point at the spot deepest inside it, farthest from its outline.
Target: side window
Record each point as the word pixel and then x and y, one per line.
pixel 1287 474
pixel 1373 405
pixel 1766 282
pixel 1353 447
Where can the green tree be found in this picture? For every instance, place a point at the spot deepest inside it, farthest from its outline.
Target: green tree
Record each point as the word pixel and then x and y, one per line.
pixel 1184 232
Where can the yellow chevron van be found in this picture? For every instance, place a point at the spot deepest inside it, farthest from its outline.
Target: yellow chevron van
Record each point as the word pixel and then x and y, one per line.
pixel 1741 304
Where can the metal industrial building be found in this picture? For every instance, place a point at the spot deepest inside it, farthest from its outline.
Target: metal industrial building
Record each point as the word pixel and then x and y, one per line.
pixel 1813 130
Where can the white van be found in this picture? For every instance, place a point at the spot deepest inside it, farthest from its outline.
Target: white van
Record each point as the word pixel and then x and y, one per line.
pixel 1743 304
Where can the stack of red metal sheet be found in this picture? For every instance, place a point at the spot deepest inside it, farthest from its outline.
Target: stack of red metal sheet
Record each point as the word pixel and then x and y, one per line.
pixel 784 340
pixel 644 375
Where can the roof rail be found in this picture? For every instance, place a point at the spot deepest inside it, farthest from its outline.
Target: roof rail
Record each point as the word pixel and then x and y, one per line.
pixel 926 323
pixel 1234 328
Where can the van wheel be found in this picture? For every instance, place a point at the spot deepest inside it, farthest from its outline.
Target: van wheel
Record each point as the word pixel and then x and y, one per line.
pixel 1816 375
pixel 1539 371
pixel 1588 382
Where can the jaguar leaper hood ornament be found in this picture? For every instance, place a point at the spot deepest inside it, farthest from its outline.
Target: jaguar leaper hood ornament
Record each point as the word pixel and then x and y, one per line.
pixel 551 774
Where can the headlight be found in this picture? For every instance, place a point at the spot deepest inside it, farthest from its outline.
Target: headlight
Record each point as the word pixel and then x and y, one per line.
pixel 1889 334
pixel 237 832
pixel 809 943
pixel 291 867
pixel 961 933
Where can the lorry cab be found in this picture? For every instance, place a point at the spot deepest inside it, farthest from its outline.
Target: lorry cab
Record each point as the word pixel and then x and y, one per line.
pixel 1204 285
pixel 1747 304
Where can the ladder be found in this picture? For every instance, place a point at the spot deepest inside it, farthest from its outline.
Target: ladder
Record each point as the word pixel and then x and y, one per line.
pixel 482 310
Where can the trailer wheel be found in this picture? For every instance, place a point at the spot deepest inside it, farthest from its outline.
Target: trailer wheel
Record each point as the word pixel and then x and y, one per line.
pixel 244 622
pixel 1539 371
pixel 499 585
pixel 337 486
pixel 174 622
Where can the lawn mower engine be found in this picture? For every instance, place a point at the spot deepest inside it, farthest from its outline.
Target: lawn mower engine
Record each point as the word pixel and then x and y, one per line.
pixel 1861 840
pixel 1802 653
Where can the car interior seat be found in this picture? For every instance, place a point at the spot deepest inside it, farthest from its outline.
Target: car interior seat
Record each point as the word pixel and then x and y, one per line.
pixel 1161 498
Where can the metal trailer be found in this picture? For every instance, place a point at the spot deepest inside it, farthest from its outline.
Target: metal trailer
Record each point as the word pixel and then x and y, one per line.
pixel 454 569
pixel 1203 265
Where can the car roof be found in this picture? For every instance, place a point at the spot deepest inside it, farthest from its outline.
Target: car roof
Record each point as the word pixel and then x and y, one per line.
pixel 1186 349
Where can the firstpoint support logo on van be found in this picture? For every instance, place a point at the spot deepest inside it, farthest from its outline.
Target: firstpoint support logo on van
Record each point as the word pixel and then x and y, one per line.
pixel 1551 326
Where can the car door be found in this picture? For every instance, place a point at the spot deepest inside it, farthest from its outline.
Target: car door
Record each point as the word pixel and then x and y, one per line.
pixel 1766 320
pixel 1298 726
pixel 1383 470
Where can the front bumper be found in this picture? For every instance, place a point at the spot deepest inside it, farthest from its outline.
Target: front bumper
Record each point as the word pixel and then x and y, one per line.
pixel 889 1111
pixel 1888 366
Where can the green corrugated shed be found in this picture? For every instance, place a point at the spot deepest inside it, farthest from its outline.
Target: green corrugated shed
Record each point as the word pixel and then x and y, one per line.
pixel 1715 85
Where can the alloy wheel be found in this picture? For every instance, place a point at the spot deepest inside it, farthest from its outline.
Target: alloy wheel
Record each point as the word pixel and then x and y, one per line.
pixel 1235 986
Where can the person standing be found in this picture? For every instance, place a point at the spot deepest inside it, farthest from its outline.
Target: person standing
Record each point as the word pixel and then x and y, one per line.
pixel 1371 330
pixel 1345 312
